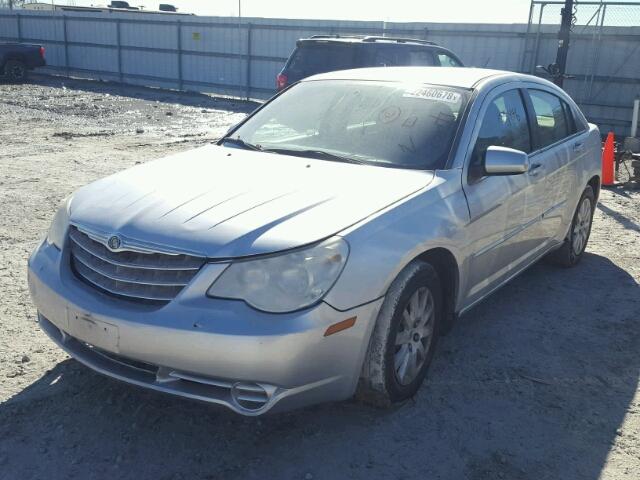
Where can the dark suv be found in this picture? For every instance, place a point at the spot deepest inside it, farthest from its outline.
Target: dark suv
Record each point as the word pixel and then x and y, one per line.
pixel 326 53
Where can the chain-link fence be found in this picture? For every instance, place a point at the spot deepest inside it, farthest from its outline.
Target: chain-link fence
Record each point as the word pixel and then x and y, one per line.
pixel 603 67
pixel 241 57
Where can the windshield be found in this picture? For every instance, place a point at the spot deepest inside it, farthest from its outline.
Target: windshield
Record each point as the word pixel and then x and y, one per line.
pixel 390 124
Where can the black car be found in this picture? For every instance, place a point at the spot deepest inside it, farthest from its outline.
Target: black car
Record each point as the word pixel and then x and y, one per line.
pixel 16 59
pixel 326 53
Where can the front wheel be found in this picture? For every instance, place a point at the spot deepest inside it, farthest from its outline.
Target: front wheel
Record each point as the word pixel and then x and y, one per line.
pixel 15 71
pixel 404 338
pixel 575 243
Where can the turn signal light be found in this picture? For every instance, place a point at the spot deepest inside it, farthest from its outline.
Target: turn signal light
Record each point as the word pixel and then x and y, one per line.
pixel 340 326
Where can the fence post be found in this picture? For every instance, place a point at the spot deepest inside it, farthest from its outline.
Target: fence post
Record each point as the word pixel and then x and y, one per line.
pixel 179 33
pixel 526 39
pixel 597 53
pixel 66 44
pixel 590 66
pixel 248 73
pixel 119 44
pixel 19 27
pixel 534 58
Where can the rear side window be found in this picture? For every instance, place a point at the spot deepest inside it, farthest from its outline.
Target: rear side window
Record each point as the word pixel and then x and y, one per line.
pixel 401 56
pixel 420 57
pixel 386 56
pixel 551 123
pixel 321 58
pixel 447 60
pixel 504 124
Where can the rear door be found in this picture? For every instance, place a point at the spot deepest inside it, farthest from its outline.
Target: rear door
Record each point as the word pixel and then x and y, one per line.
pixel 558 144
pixel 497 204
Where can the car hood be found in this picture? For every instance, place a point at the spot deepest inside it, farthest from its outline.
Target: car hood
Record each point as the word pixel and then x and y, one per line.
pixel 225 202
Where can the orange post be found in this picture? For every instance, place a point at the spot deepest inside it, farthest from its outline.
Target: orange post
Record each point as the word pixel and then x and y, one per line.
pixel 608 160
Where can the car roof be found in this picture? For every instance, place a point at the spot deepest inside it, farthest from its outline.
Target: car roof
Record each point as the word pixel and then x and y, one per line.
pixel 452 76
pixel 366 40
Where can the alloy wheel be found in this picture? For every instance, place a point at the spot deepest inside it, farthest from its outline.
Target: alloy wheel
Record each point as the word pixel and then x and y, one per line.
pixel 17 72
pixel 582 226
pixel 414 334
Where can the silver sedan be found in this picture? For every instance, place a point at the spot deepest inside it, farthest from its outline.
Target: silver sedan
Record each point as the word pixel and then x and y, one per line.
pixel 323 245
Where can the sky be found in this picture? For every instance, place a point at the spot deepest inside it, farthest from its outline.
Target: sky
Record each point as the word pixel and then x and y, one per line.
pixel 464 11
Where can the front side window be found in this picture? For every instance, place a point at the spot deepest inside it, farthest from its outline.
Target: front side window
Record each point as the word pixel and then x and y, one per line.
pixel 504 124
pixel 550 120
pixel 380 123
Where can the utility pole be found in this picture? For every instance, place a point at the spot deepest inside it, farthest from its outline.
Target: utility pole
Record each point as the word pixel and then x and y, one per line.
pixel 239 8
pixel 563 41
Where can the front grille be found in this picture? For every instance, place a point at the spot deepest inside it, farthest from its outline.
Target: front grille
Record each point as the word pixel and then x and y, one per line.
pixel 145 277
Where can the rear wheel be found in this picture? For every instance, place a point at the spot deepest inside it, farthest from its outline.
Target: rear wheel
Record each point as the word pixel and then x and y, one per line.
pixel 575 244
pixel 404 338
pixel 15 71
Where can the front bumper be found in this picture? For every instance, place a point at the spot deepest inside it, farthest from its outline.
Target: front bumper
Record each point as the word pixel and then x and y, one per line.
pixel 219 351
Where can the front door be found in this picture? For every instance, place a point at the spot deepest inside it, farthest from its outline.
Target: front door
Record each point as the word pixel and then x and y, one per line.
pixel 497 204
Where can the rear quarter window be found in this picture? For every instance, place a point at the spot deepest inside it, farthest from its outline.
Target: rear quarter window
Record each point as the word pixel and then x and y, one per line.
pixel 575 119
pixel 446 60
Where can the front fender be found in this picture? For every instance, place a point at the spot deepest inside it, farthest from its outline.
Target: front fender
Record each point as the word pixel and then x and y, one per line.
pixel 381 246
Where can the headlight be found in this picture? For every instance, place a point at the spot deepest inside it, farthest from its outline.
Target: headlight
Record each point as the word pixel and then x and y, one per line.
pixel 59 225
pixel 287 282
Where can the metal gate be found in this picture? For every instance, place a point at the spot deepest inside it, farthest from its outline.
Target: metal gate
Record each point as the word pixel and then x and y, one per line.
pixel 603 68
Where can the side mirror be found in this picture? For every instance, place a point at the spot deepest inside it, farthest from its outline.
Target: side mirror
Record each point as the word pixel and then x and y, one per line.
pixel 505 161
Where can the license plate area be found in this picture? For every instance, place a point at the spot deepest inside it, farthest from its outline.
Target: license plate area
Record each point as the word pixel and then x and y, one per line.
pixel 100 334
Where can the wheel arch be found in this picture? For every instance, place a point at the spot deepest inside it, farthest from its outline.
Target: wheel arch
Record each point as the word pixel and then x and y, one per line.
pixel 447 268
pixel 594 183
pixel 13 56
pixel 372 386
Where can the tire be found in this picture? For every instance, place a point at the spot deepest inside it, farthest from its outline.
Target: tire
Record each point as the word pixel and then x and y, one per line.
pixel 388 373
pixel 15 71
pixel 573 248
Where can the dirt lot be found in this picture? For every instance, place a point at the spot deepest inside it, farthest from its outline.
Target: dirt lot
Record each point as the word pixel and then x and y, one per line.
pixel 540 382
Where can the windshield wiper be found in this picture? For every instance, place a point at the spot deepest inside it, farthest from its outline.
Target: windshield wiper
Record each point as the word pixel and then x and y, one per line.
pixel 241 143
pixel 319 154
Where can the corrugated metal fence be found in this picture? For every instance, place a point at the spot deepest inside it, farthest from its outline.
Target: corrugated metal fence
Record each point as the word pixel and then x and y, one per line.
pixel 604 56
pixel 241 58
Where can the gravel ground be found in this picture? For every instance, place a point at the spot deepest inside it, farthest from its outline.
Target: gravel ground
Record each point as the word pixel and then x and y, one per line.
pixel 539 382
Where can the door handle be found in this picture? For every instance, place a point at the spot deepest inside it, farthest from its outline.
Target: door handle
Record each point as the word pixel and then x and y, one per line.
pixel 533 169
pixel 578 147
